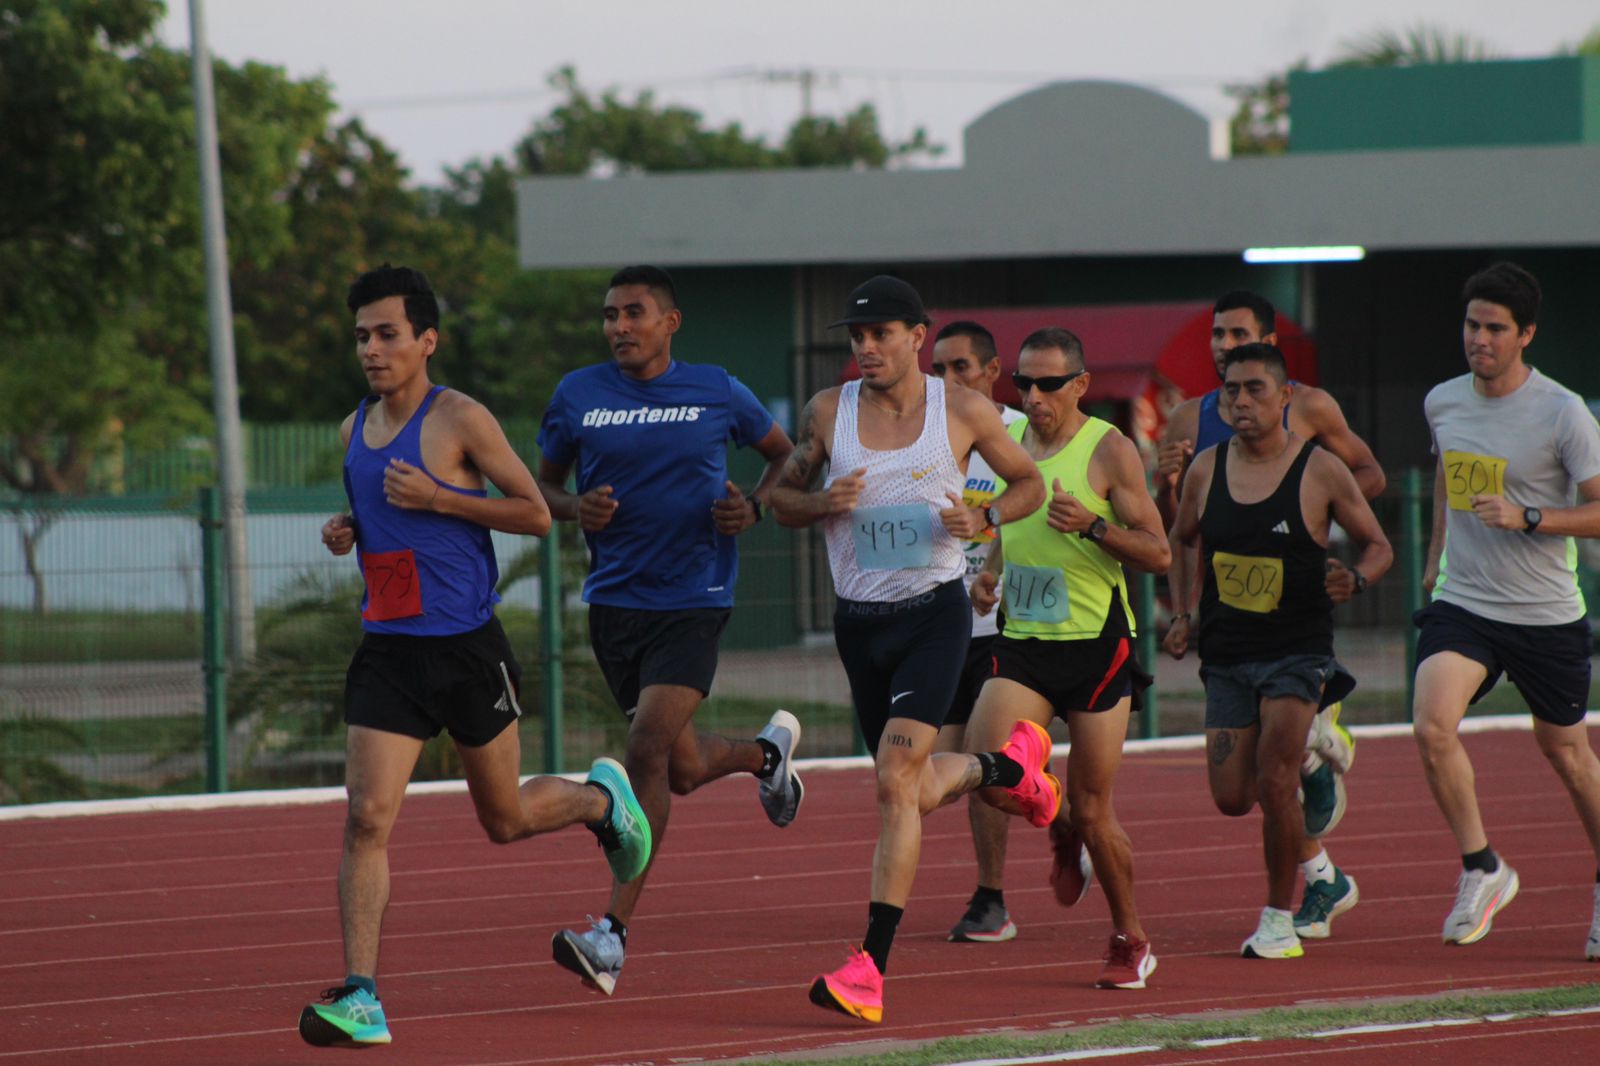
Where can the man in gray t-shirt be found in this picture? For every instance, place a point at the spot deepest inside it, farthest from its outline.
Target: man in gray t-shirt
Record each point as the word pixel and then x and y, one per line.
pixel 1518 478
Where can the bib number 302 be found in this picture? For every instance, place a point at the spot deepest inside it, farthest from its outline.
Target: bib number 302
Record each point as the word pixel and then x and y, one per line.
pixel 1248 582
pixel 893 537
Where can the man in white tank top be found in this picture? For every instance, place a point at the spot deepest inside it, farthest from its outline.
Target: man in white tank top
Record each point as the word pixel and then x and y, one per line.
pixel 964 356
pixel 898 444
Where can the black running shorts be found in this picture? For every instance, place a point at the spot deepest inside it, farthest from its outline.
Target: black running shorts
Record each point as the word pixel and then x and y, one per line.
pixel 1091 674
pixel 637 648
pixel 1548 664
pixel 466 683
pixel 978 669
pixel 903 658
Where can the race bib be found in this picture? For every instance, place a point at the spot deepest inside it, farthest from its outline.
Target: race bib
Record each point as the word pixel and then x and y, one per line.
pixel 1467 475
pixel 393 590
pixel 894 537
pixel 1248 582
pixel 1036 594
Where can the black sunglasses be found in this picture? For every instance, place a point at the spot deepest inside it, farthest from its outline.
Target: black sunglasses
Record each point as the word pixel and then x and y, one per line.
pixel 1051 384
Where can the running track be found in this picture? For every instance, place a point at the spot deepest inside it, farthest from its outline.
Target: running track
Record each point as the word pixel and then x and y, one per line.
pixel 196 936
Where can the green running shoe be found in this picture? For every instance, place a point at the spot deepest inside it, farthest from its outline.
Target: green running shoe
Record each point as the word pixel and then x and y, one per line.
pixel 1323 902
pixel 1323 798
pixel 625 833
pixel 346 1016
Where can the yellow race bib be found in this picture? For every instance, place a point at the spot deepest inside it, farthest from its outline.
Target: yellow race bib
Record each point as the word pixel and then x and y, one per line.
pixel 1248 582
pixel 1467 475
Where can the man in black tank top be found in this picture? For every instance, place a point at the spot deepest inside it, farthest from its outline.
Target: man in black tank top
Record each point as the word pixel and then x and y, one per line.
pixel 1261 504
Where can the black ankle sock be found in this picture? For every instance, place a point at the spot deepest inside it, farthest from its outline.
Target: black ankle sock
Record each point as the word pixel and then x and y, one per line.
pixel 1484 860
pixel 882 920
pixel 770 757
pixel 999 769
pixel 985 894
pixel 618 928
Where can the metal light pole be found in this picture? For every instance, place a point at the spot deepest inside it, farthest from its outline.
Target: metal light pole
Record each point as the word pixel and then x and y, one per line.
pixel 224 376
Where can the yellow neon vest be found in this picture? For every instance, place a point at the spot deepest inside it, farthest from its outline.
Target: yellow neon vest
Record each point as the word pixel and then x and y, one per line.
pixel 1041 563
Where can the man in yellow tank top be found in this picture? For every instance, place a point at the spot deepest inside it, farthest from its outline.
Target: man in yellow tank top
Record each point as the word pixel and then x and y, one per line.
pixel 1066 647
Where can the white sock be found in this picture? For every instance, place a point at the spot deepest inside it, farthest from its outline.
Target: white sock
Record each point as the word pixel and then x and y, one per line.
pixel 1318 868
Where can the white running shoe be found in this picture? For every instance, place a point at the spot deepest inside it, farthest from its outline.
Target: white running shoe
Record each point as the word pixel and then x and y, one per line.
pixel 1274 937
pixel 1479 897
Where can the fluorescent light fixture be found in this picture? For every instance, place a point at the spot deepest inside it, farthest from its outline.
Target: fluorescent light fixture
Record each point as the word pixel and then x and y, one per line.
pixel 1319 253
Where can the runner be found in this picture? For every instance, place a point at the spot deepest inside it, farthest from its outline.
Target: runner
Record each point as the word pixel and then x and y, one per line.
pixel 647 435
pixel 898 443
pixel 1518 478
pixel 964 355
pixel 417 458
pixel 1262 504
pixel 1066 650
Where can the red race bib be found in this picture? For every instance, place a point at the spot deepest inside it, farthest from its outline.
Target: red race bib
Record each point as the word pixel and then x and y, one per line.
pixel 393 588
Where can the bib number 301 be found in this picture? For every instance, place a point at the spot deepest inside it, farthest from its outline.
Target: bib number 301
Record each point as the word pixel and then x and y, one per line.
pixel 1036 594
pixel 893 537
pixel 1467 475
pixel 1248 582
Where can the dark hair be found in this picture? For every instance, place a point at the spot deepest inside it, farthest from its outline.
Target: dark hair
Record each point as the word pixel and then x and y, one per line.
pixel 1261 352
pixel 422 306
pixel 1260 306
pixel 982 340
pixel 1508 285
pixel 1063 340
pixel 657 280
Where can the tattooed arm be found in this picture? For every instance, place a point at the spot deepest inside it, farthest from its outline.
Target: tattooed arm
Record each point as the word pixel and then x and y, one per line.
pixel 796 498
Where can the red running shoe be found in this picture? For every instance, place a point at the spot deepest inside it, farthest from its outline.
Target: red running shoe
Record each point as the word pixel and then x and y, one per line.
pixel 1071 872
pixel 1128 963
pixel 856 988
pixel 1039 791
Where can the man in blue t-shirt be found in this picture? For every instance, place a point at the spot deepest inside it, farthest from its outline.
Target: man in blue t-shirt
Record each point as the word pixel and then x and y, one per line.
pixel 648 438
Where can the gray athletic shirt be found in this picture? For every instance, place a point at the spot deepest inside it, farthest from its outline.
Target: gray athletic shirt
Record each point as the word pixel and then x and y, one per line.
pixel 1532 447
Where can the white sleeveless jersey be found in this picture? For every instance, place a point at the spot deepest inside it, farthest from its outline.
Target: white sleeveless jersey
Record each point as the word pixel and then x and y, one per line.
pixel 982 486
pixel 898 482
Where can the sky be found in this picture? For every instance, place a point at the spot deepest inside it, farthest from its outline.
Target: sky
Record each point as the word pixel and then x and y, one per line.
pixel 444 83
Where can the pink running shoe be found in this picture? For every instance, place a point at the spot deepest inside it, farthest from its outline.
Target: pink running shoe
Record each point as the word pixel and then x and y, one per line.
pixel 856 988
pixel 1039 791
pixel 1071 872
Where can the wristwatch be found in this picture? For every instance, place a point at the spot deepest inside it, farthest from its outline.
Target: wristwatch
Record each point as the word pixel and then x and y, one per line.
pixel 991 517
pixel 1533 516
pixel 755 507
pixel 1361 582
pixel 1096 531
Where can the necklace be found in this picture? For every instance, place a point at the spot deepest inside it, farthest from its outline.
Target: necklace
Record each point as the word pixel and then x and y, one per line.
pixel 890 410
pixel 1269 459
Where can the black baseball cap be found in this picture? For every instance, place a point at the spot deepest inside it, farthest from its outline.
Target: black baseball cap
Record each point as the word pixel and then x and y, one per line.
pixel 883 299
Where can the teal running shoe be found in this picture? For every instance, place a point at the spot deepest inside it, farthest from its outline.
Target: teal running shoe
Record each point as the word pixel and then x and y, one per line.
pixel 1322 796
pixel 625 833
pixel 1323 902
pixel 345 1017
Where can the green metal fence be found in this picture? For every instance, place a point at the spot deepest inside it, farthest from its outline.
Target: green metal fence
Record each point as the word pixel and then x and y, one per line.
pixel 111 647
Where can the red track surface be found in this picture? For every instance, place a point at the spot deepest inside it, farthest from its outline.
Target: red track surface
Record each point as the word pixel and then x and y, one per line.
pixel 196 937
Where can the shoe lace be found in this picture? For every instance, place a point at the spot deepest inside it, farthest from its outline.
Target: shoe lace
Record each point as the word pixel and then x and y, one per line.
pixel 1468 888
pixel 335 994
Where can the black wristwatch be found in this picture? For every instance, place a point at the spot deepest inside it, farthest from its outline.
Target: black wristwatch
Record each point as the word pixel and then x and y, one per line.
pixel 991 517
pixel 1361 582
pixel 755 508
pixel 1096 531
pixel 1533 516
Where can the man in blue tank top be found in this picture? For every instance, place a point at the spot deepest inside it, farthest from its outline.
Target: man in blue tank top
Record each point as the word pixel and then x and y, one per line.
pixel 1263 504
pixel 418 457
pixel 1237 318
pixel 648 436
